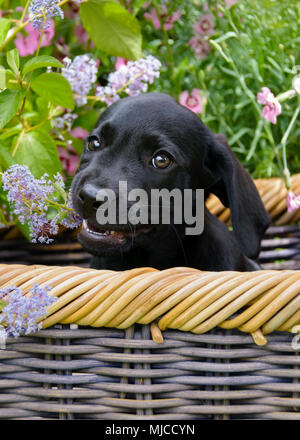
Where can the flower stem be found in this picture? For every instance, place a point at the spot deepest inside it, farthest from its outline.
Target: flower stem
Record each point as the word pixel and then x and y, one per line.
pixel 25 10
pixel 286 172
pixel 58 205
pixel 30 77
pixel 18 142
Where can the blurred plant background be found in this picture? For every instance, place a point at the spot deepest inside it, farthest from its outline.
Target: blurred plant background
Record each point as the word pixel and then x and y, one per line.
pixel 213 56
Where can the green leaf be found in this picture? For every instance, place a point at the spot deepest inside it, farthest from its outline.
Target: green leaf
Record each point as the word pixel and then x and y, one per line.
pixel 43 108
pixel 11 131
pixel 4 28
pixel 13 60
pixel 3 220
pixel 88 119
pixel 6 159
pixel 23 228
pixel 55 88
pixel 38 151
pixel 226 36
pixel 2 78
pixel 61 191
pixel 9 104
pixel 137 6
pixel 41 61
pixel 10 80
pixel 112 28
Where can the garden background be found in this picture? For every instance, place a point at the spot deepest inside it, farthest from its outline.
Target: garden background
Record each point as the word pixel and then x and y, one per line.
pixel 235 63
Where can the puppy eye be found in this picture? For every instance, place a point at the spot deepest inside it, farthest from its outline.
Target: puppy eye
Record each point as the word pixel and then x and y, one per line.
pixel 161 160
pixel 93 143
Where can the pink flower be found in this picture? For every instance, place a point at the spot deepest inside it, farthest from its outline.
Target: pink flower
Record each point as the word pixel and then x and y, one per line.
pixel 81 34
pixel 292 201
pixel 79 133
pixel 205 25
pixel 167 20
pixel 272 107
pixel 153 17
pixel 120 62
pixel 27 45
pixel 172 19
pixel 69 161
pixel 201 47
pixel 191 101
pixel 230 3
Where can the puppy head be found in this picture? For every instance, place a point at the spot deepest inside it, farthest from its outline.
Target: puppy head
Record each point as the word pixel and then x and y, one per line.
pixel 151 141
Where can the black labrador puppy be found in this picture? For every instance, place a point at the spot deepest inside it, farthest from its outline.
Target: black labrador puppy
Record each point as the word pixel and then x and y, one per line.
pixel 151 141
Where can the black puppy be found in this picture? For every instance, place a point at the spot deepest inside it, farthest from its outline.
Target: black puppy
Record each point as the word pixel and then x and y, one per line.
pixel 151 141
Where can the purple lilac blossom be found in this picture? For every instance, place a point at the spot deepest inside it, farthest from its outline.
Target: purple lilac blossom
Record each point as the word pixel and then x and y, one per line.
pixel 72 220
pixel 30 199
pixel 64 122
pixel 22 314
pixel 81 74
pixel 40 8
pixel 132 78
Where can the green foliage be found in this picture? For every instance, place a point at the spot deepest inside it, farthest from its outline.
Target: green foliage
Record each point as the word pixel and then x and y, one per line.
pixel 38 151
pixel 40 61
pixel 4 28
pixel 54 88
pixel 13 60
pixel 112 28
pixel 9 103
pixel 254 44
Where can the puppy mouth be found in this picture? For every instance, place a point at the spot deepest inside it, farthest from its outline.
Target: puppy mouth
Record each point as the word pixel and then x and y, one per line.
pixel 107 235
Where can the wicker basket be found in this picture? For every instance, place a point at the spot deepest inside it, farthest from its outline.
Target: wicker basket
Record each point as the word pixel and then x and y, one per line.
pixel 71 372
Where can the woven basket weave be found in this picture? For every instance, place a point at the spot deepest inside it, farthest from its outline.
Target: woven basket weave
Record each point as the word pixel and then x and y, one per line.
pixel 89 372
pixel 273 193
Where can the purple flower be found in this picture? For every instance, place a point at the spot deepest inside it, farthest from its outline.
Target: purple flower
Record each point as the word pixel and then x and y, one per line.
pixel 81 74
pixel 43 8
pixel 72 219
pixel 22 314
pixel 132 79
pixel 31 198
pixel 64 122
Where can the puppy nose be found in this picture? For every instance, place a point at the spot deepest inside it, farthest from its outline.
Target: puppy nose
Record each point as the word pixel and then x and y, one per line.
pixel 87 196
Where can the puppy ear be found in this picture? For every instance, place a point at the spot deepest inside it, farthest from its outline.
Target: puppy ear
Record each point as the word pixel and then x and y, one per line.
pixel 236 190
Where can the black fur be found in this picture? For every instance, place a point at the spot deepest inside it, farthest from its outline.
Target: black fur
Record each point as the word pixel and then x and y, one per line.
pixel 130 132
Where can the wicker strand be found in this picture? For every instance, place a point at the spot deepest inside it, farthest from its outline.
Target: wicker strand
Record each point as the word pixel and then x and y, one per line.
pixel 273 193
pixel 179 298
